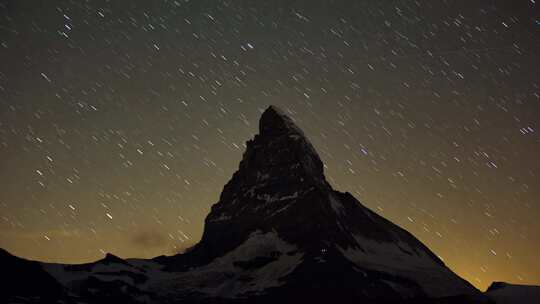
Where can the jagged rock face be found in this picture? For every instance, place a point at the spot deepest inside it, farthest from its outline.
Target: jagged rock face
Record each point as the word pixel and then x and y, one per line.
pixel 279 166
pixel 280 188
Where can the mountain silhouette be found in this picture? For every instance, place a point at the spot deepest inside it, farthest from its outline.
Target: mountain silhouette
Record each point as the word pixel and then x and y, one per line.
pixel 279 232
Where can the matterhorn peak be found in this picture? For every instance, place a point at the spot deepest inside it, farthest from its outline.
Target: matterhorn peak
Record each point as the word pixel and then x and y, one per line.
pixel 282 145
pixel 279 219
pixel 274 121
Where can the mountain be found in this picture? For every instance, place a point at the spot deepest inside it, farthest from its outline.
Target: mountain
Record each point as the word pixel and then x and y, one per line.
pixel 279 232
pixel 280 228
pixel 26 280
pixel 504 293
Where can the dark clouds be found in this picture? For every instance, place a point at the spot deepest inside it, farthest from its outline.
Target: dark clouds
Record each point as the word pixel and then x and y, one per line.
pixel 150 239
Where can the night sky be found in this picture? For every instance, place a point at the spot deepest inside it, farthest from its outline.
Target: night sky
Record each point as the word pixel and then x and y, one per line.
pixel 120 121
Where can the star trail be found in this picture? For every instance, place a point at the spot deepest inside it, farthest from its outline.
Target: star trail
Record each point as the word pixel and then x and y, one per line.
pixel 120 121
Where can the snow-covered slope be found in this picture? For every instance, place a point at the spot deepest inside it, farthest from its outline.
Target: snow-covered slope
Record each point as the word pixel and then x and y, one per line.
pixel 258 264
pixel 109 280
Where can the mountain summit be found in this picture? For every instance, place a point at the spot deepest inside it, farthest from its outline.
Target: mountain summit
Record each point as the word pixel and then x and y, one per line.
pixel 285 231
pixel 279 232
pixel 278 170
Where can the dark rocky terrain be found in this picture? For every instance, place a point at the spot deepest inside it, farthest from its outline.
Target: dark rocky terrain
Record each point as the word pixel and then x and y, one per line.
pixel 504 293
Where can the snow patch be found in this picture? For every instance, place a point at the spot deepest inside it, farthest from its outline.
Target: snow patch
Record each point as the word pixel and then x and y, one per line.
pixel 105 272
pixel 269 199
pixel 222 278
pixel 400 259
pixel 336 204
pixel 262 176
pixel 279 210
pixel 222 217
pixel 395 255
